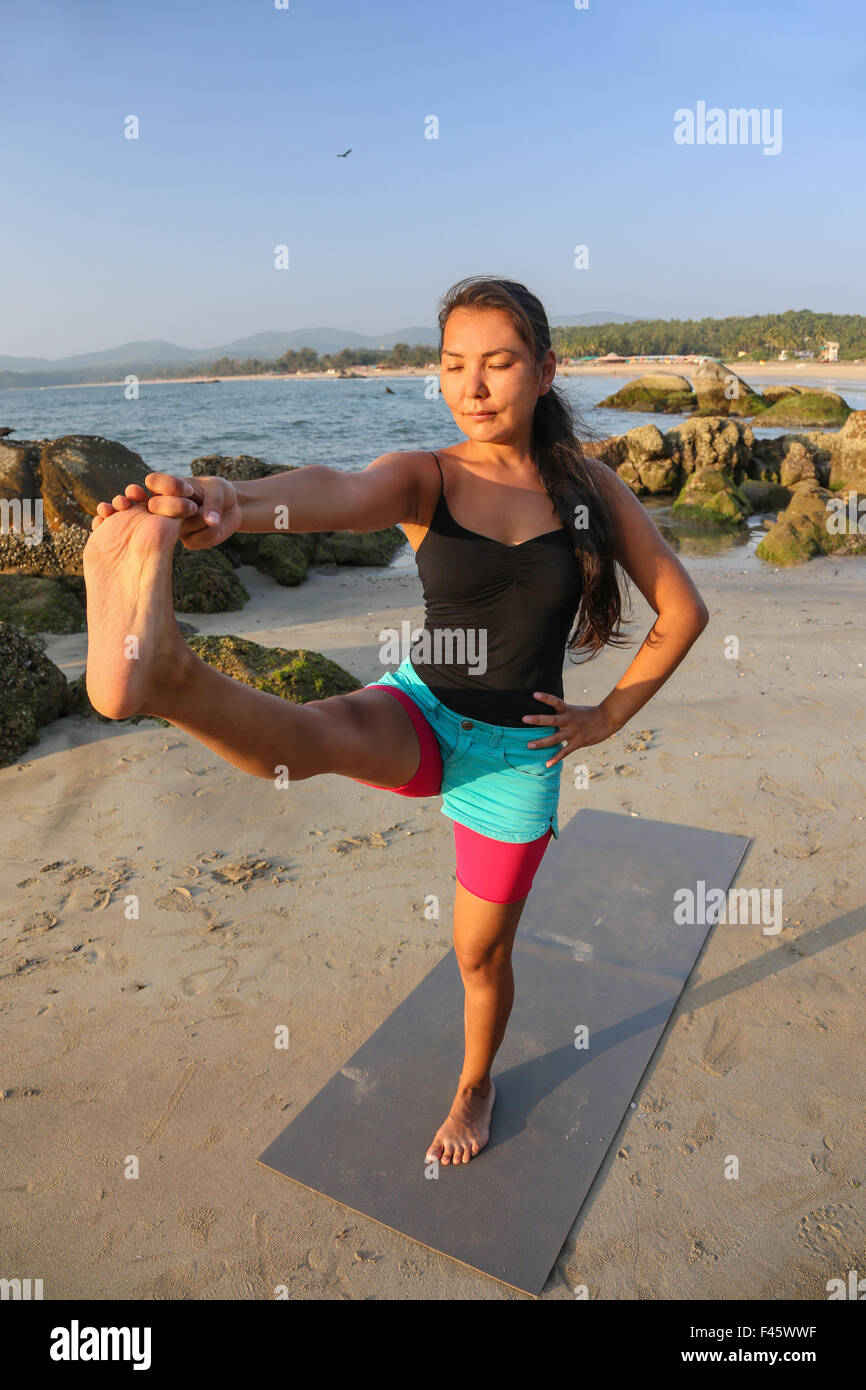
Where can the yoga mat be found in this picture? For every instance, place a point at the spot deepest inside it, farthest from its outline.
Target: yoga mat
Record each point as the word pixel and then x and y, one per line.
pixel 597 946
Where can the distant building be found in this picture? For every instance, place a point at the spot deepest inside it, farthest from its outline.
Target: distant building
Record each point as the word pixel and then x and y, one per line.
pixel 783 356
pixel 611 357
pixel 829 353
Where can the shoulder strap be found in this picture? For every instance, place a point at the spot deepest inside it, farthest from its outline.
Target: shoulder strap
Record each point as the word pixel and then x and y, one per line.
pixel 441 477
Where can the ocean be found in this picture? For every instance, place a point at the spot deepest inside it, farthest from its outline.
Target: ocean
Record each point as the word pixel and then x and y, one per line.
pixel 342 423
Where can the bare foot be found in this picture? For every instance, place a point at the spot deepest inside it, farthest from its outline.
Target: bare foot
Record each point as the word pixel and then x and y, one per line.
pixel 467 1128
pixel 134 647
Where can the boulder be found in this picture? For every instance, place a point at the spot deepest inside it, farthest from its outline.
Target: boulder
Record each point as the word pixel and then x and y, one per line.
pixel 765 496
pixel 33 692
pixel 204 581
pixel 847 453
pixel 807 408
pixel 643 464
pixel 710 442
pixel 38 604
pixel 662 393
pixel 286 557
pixel 711 498
pixel 802 530
pixel 59 552
pixel 772 394
pixel 721 392
pixel 78 471
pixel 788 458
pixel 295 675
pixel 237 468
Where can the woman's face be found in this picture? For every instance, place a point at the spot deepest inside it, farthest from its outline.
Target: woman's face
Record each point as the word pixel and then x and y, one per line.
pixel 488 377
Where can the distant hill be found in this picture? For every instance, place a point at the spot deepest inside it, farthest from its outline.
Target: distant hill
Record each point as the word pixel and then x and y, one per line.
pixel 266 346
pixel 156 352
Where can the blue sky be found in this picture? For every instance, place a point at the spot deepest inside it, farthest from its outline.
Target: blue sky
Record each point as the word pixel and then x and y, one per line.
pixel 555 129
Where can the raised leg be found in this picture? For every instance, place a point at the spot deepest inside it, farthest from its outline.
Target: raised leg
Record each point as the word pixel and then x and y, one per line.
pixel 138 663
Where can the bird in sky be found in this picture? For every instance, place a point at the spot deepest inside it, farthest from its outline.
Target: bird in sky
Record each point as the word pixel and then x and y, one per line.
pixel 345 152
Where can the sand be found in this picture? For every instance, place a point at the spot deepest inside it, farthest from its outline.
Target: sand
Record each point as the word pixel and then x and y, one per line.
pixel 816 373
pixel 152 1037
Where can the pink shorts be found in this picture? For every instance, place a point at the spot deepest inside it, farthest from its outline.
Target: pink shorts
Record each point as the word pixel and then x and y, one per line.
pixel 496 870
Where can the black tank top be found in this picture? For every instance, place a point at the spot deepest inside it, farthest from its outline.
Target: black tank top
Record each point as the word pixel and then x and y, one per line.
pixel 497 618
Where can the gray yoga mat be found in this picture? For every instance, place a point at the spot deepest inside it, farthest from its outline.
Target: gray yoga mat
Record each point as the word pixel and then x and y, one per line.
pixel 598 945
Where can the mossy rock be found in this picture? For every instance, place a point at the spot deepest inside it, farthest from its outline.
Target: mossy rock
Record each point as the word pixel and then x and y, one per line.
pixel 286 558
pixel 37 604
pixel 238 468
pixel 295 675
pixel 60 551
pixel 654 393
pixel 807 408
pixel 358 547
pixel 203 581
pixel 746 404
pixel 711 498
pixel 33 692
pixel 802 532
pixel 765 495
pixel 721 392
pixel 715 442
pixel 772 394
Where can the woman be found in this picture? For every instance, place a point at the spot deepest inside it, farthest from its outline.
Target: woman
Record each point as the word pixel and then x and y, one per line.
pixel 517 535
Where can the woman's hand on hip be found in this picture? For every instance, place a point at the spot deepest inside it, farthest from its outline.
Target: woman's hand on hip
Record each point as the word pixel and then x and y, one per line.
pixel 574 726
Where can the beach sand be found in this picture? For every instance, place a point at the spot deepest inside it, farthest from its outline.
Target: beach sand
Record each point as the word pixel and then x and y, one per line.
pixel 154 1037
pixel 813 373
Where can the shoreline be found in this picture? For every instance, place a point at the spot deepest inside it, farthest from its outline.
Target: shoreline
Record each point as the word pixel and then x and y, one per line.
pixel 854 372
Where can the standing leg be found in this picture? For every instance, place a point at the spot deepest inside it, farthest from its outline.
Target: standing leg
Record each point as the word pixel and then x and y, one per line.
pixel 484 931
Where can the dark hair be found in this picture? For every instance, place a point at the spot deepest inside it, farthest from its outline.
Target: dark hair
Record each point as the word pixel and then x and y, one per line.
pixel 566 475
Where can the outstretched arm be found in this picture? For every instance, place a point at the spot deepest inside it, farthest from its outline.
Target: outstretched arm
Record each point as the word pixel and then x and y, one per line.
pixel 314 498
pixel 317 498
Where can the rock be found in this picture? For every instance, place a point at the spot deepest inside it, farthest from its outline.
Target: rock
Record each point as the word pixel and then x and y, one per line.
pixel 59 552
pixel 847 452
pixel 721 392
pixel 807 408
pixel 657 392
pixel 710 442
pixel 33 692
pixel 203 581
pixel 239 468
pixel 18 469
pixel 789 458
pixel 358 547
pixel 765 496
pixel 772 394
pixel 643 464
pixel 711 498
pixel 37 604
pixel 295 675
pixel 285 557
pixel 76 472
pixel 802 532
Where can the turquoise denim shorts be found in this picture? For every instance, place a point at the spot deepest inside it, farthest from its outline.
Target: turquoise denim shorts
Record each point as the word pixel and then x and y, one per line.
pixel 491 781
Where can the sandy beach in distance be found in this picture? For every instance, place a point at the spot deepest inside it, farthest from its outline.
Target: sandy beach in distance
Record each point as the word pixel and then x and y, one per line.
pixel 166 913
pixel 818 372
